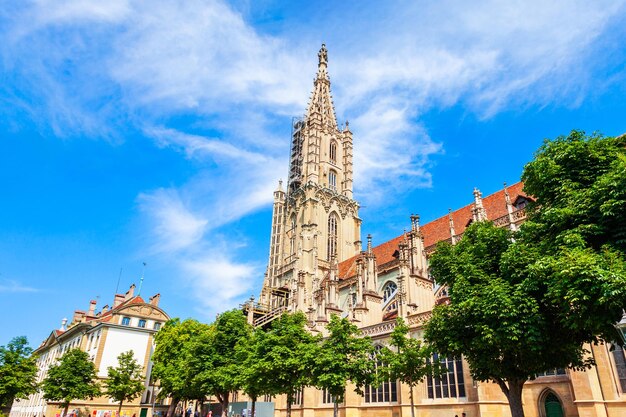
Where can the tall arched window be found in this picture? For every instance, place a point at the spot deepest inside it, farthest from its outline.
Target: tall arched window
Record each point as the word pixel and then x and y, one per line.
pixel 292 236
pixel 331 249
pixel 332 180
pixel 387 391
pixel 333 152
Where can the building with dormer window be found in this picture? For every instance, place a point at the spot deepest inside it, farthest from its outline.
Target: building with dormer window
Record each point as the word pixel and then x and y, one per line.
pixel 128 324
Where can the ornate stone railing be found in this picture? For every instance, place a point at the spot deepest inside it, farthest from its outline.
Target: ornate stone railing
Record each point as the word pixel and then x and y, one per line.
pixel 419 318
pixel 502 221
pixel 519 215
pixel 378 329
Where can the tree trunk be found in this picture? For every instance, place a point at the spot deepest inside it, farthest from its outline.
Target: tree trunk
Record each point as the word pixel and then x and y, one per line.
pixel 119 409
pixel 172 407
pixel 223 399
pixel 289 400
pixel 513 393
pixel 67 407
pixel 253 408
pixel 412 402
pixel 335 408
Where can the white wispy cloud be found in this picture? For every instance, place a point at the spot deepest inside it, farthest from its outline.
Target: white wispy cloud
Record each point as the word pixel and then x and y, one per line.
pixel 97 68
pixel 174 225
pixel 12 286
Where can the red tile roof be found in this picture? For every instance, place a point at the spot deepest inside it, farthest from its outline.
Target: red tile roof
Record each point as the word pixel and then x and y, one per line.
pixel 439 229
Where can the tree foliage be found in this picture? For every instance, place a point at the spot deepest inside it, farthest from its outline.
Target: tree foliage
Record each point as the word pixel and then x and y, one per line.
pixel 287 353
pixel 344 356
pixel 579 183
pixel 72 378
pixel 410 362
pixel 255 376
pixel 214 362
pixel 18 371
pixel 124 382
pixel 172 360
pixel 527 303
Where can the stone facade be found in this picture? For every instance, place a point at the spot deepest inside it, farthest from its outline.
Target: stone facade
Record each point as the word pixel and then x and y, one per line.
pixel 317 266
pixel 129 324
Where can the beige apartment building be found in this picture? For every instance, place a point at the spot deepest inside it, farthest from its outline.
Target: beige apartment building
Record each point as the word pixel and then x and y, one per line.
pixel 319 265
pixel 129 324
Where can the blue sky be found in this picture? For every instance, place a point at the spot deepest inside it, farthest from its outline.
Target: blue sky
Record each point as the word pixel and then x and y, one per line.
pixel 135 131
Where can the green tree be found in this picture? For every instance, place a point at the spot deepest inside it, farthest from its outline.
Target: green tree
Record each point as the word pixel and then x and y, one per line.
pixel 254 376
pixel 172 360
pixel 124 382
pixel 527 303
pixel 579 183
pixel 344 356
pixel 72 378
pixel 214 364
pixel 18 371
pixel 287 355
pixel 411 360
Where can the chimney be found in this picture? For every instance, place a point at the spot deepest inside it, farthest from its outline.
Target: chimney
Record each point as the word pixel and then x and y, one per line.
pixel 63 324
pixel 105 309
pixel 119 299
pixel 154 300
pixel 79 315
pixel 92 308
pixel 130 293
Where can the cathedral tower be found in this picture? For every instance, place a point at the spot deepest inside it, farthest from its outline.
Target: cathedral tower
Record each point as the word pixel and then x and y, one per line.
pixel 315 221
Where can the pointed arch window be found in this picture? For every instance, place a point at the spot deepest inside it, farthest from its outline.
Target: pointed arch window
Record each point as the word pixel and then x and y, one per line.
pixel 332 180
pixel 389 290
pixel 333 152
pixel 331 249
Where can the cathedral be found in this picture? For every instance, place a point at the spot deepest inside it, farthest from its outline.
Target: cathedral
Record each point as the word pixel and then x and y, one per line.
pixel 318 264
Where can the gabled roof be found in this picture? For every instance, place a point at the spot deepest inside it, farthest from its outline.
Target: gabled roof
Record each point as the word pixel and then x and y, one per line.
pixel 91 321
pixel 439 229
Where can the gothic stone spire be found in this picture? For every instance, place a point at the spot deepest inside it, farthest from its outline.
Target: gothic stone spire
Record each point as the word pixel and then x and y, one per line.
pixel 321 105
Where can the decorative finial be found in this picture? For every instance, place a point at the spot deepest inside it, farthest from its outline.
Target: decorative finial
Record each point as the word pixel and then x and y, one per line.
pixel 369 243
pixel 507 197
pixel 323 55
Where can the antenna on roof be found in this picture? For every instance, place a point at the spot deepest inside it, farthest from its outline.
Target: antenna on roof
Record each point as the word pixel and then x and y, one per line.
pixel 118 280
pixel 141 280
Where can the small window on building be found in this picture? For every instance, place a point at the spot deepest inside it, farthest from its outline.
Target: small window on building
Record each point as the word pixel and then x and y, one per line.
pixel 333 152
pixel 297 398
pixel 332 180
pixel 142 323
pixel 126 321
pixel 157 326
pixel 327 398
pixel 552 372
pixel 521 202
